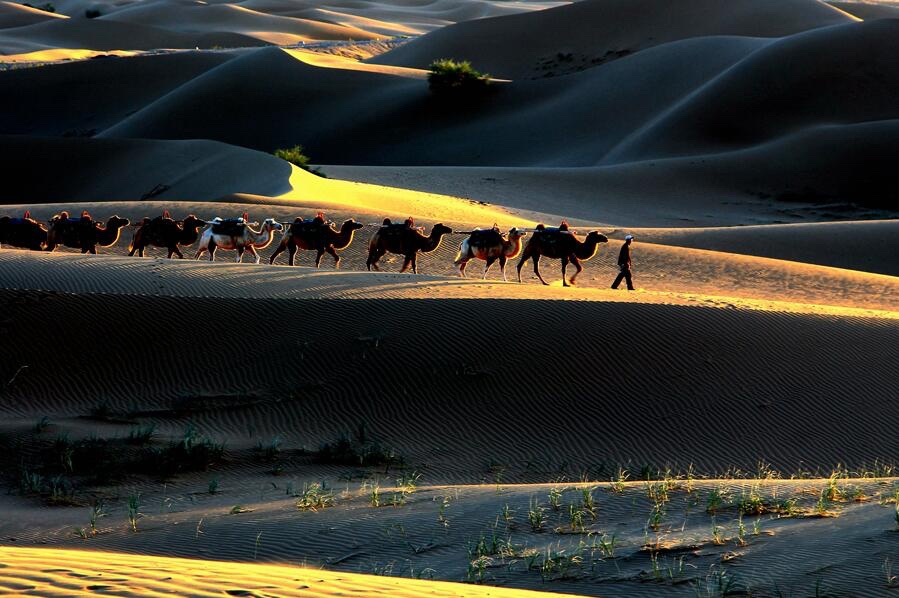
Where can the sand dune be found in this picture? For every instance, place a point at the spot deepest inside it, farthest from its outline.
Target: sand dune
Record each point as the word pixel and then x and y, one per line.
pixel 846 175
pixel 13 14
pixel 229 18
pixel 812 79
pixel 867 246
pixel 677 364
pixel 50 572
pixel 516 46
pixel 100 34
pixel 189 24
pixel 868 10
pixel 55 169
pixel 381 111
pixel 128 86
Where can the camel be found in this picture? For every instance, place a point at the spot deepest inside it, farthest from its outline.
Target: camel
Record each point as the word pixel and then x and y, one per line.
pixel 559 243
pixel 404 240
pixel 489 245
pixel 25 232
pixel 84 233
pixel 162 231
pixel 316 235
pixel 237 235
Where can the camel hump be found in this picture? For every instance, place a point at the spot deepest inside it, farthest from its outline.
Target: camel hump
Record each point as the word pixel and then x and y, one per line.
pixel 165 214
pixel 85 215
pixel 386 222
pixel 540 226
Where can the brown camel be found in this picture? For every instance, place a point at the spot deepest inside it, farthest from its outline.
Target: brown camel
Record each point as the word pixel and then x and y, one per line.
pixel 25 232
pixel 163 231
pixel 316 235
pixel 404 240
pixel 489 245
pixel 560 243
pixel 84 233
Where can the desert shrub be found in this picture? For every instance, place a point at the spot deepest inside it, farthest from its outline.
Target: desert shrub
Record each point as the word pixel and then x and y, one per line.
pixel 345 451
pixel 452 77
pixel 295 156
pixel 48 7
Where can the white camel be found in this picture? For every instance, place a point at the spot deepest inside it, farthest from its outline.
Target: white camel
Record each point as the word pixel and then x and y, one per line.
pixel 489 245
pixel 250 240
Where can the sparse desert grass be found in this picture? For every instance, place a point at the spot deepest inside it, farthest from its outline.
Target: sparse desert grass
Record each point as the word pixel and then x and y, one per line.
pixel 536 516
pixel 454 78
pixel 618 480
pixel 134 513
pixel 359 452
pixel 141 435
pixel 315 497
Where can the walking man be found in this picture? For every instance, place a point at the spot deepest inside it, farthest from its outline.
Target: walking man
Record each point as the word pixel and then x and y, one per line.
pixel 624 264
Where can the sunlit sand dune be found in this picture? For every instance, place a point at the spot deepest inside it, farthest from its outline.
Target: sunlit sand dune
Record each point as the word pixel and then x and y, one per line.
pixel 54 572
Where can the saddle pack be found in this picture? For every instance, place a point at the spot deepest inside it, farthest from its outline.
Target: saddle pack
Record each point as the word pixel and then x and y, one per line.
pixel 233 227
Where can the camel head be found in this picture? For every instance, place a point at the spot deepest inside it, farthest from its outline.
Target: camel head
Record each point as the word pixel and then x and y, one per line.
pixel 596 237
pixel 272 224
pixel 193 223
pixel 515 234
pixel 351 225
pixel 116 222
pixel 439 230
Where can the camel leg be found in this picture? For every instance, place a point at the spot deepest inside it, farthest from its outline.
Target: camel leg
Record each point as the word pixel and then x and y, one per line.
pixel 536 258
pixel 292 253
pixel 490 261
pixel 333 253
pixel 415 263
pixel 374 256
pixel 578 267
pixel 252 251
pixel 211 249
pixel 565 261
pixel 461 263
pixel 279 250
pixel 525 256
pixel 406 262
pixel 318 257
pixel 140 251
pixel 240 251
pixel 502 266
pixel 173 250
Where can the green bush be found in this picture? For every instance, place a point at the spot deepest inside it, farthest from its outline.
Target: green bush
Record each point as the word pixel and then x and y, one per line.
pixel 455 77
pixel 48 7
pixel 295 156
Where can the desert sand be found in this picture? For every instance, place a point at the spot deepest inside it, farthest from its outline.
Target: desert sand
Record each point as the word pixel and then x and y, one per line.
pixel 218 428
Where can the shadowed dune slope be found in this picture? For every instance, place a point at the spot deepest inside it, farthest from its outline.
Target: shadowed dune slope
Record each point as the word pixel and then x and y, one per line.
pixel 13 14
pixel 677 379
pixel 867 246
pixel 516 46
pixel 100 34
pixel 57 169
pixel 98 93
pixel 571 120
pixel 837 75
pixel 824 173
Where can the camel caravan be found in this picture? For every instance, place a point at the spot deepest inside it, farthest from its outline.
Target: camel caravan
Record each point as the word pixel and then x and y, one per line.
pixel 317 234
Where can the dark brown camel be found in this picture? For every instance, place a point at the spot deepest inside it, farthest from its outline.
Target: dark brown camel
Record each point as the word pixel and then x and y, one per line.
pixel 84 233
pixel 163 231
pixel 561 244
pixel 316 235
pixel 25 232
pixel 404 240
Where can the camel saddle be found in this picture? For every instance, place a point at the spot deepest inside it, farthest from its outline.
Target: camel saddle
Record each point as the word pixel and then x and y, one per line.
pixel 233 227
pixel 485 237
pixel 309 226
pixel 396 230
